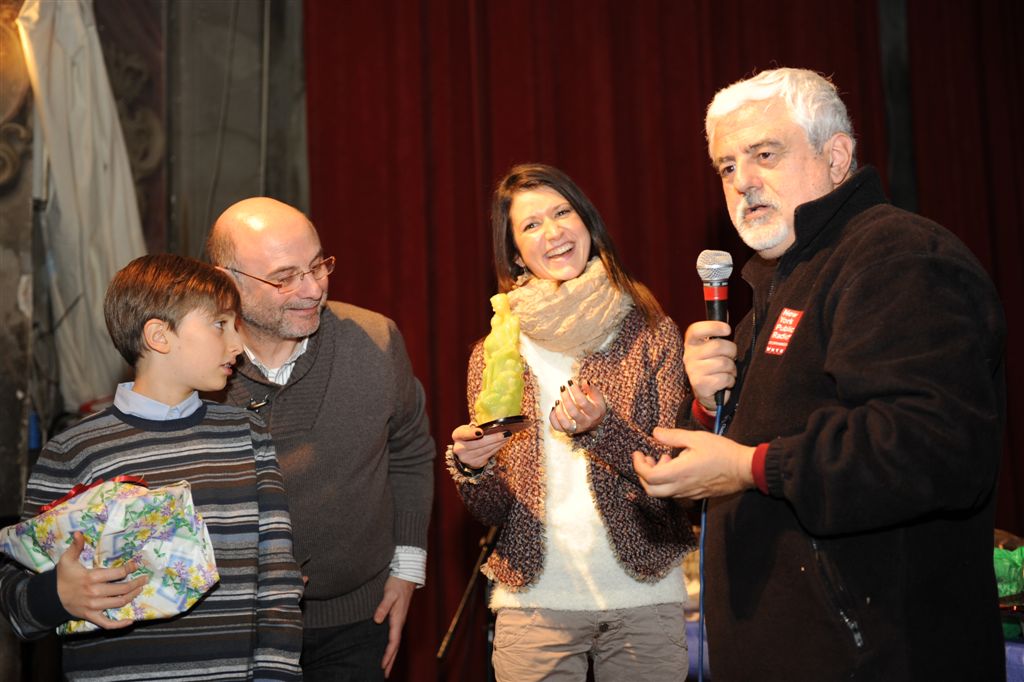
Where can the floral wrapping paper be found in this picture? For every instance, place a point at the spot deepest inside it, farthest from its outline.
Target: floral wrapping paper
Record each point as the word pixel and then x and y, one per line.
pixel 159 528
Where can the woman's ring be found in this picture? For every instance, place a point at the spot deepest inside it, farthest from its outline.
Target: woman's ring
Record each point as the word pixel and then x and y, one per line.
pixel 572 425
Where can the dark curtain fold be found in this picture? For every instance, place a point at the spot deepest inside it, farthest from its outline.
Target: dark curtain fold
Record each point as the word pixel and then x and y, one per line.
pixel 966 78
pixel 416 108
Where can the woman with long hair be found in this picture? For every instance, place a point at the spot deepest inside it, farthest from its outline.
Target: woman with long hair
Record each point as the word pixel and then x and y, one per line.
pixel 587 566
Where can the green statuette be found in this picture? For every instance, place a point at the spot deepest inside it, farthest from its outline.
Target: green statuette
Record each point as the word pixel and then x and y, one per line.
pixel 501 393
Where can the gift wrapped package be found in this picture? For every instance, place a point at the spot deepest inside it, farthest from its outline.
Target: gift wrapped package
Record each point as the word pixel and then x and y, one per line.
pixel 157 528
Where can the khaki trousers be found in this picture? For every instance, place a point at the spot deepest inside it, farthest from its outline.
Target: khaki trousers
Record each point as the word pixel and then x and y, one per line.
pixel 642 644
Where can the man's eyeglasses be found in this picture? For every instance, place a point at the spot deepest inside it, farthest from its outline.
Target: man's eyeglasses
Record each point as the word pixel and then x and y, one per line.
pixel 290 283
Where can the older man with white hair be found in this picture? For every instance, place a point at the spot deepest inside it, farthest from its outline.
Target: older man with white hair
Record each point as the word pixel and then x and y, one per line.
pixel 851 495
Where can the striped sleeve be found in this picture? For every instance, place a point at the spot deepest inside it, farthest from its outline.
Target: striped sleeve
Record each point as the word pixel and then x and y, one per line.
pixel 29 601
pixel 279 589
pixel 14 600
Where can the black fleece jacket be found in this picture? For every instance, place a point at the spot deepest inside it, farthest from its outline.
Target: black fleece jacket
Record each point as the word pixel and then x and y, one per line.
pixel 872 365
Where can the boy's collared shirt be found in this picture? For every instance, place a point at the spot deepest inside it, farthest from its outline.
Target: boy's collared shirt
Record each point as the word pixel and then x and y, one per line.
pixel 138 405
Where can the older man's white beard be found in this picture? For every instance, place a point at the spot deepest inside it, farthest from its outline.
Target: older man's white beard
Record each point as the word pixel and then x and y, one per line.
pixel 763 236
pixel 761 233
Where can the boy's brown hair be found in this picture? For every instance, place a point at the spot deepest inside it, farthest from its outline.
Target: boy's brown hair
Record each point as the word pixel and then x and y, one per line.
pixel 164 287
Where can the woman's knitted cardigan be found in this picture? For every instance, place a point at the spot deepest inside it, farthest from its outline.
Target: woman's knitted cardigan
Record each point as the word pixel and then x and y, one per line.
pixel 641 375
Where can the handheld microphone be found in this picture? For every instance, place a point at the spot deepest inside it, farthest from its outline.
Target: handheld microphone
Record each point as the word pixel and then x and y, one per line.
pixel 714 269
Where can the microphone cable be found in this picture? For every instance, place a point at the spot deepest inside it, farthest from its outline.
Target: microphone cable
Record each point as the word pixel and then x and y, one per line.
pixel 700 560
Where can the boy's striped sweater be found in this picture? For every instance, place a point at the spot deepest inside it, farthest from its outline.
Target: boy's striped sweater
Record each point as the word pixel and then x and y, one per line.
pixel 249 625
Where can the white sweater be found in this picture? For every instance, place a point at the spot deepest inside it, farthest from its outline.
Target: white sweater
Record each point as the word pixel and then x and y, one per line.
pixel 580 572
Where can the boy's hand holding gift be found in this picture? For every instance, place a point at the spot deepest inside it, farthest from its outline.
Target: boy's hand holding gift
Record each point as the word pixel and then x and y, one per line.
pixel 108 532
pixel 88 593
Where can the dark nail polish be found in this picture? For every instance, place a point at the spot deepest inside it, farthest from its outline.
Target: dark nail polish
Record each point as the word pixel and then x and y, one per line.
pixel 507 434
pixel 562 388
pixel 556 404
pixel 570 382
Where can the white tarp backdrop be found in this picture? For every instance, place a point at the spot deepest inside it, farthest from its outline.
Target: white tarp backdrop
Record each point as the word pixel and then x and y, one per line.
pixel 91 226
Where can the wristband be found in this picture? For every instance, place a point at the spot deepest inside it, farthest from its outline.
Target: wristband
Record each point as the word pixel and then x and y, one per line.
pixel 461 467
pixel 701 416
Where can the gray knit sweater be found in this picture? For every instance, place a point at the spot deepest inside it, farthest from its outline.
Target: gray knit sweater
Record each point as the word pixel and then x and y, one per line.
pixel 640 374
pixel 351 433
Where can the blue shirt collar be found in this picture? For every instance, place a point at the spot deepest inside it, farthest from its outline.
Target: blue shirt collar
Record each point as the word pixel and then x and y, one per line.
pixel 138 405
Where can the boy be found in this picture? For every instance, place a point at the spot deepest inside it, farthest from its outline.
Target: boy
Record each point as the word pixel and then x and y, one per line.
pixel 173 319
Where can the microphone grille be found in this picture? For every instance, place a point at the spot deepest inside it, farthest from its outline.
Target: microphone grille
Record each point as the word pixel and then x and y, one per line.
pixel 714 266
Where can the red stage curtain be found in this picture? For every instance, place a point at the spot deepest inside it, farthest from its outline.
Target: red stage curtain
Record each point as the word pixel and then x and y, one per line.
pixel 967 76
pixel 416 108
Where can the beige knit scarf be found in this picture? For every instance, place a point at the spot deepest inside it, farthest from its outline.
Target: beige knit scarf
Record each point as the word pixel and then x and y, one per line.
pixel 573 317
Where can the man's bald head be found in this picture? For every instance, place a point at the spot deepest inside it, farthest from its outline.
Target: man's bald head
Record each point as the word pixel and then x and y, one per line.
pixel 250 219
pixel 263 242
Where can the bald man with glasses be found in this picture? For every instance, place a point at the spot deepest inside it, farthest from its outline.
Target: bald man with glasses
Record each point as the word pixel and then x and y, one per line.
pixel 336 388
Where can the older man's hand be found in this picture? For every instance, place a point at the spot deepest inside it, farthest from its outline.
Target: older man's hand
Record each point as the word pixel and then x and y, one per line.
pixel 707 466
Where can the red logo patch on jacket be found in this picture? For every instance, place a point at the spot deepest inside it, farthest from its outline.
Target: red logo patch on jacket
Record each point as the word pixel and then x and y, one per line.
pixel 785 327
